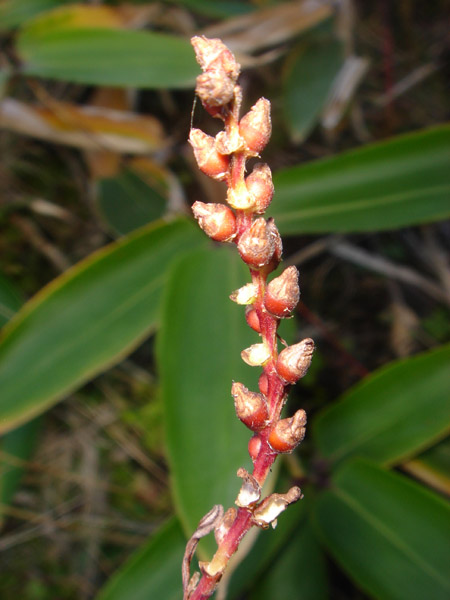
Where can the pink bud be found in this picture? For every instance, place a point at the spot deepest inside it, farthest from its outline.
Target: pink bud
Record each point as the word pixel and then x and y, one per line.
pixel 251 316
pixel 209 160
pixel 293 362
pixel 254 446
pixel 255 127
pixel 251 408
pixel 283 293
pixel 216 85
pixel 263 384
pixel 257 245
pixel 216 220
pixel 288 433
pixel 260 187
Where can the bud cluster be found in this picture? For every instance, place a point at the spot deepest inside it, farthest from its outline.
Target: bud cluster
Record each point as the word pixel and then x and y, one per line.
pixel 259 244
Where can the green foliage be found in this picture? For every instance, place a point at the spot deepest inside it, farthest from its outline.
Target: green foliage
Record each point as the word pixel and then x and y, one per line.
pixel 387 531
pixel 162 277
pixel 87 319
pixel 396 183
pixel 383 417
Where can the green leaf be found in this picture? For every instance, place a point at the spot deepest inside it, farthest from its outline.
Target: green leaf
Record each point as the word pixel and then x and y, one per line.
pixel 10 300
pixel 126 202
pixel 105 56
pixel 391 414
pixel 298 571
pixel 311 72
pixel 154 571
pixel 199 345
pixel 87 319
pixel 16 446
pixel 16 12
pixel 389 534
pixel 433 467
pixel 394 183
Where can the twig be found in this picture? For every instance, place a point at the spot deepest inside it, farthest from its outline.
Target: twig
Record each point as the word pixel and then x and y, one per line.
pixel 387 268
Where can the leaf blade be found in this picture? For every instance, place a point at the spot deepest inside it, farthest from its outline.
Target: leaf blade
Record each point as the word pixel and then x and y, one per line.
pixel 390 415
pixel 153 571
pixel 394 183
pixel 387 532
pixel 87 319
pixel 198 355
pixel 105 56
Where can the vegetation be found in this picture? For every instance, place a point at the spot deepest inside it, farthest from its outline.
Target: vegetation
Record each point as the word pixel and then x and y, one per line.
pixel 119 342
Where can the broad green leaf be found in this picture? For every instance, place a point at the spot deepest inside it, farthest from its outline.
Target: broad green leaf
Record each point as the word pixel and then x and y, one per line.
pixel 16 446
pixel 311 72
pixel 10 300
pixel 127 202
pixel 394 183
pixel 153 572
pixel 297 572
pixel 87 319
pixel 432 467
pixel 198 350
pixel 102 56
pixel 389 533
pixel 16 12
pixel 392 414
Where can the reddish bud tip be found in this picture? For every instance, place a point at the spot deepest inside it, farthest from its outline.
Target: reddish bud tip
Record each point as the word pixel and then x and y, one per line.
pixel 260 187
pixel 255 127
pixel 251 408
pixel 216 220
pixel 293 362
pixel 254 446
pixel 251 316
pixel 257 245
pixel 283 293
pixel 209 160
pixel 263 384
pixel 288 433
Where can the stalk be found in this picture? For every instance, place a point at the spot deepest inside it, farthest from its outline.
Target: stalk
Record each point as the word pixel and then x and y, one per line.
pixel 267 302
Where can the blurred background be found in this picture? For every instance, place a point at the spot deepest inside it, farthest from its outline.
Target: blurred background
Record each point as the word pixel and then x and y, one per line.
pixel 96 102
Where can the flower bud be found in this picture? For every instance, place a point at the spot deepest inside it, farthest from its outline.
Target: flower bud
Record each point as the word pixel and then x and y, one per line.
pixel 254 446
pixel 239 198
pixel 260 187
pixel 288 433
pixel 251 316
pixel 216 220
pixel 250 491
pixel 293 362
pixel 247 294
pixel 256 355
pixel 209 160
pixel 251 407
pixel 283 293
pixel 216 85
pixel 213 54
pixel 263 384
pixel 255 127
pixel 257 245
pixel 272 506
